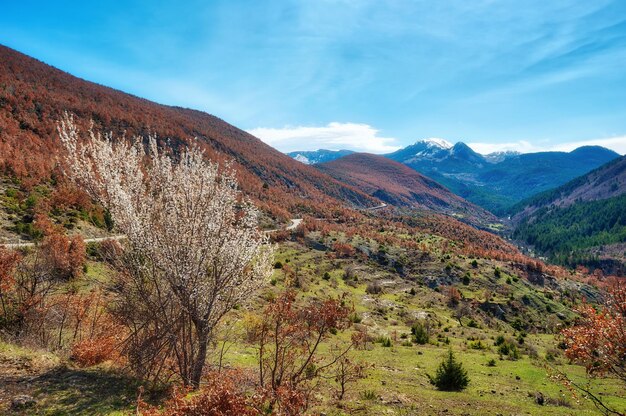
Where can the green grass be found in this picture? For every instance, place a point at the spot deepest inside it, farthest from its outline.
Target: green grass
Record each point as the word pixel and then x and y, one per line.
pixel 397 381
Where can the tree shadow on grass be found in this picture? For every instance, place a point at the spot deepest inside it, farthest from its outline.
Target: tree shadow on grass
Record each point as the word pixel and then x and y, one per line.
pixel 94 391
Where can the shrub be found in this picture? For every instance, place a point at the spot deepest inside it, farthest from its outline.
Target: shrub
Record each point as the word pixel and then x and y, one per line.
pixel 491 363
pixel 466 279
pixel 278 265
pixel 384 341
pixel 477 345
pixel 326 276
pixel 450 375
pixel 368 395
pixel 90 352
pixel 420 334
pixel 221 394
pixel 552 354
pixel 509 349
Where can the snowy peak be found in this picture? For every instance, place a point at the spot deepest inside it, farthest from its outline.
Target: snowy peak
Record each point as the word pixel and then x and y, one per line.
pixel 435 142
pixel 497 157
pixel 302 159
pixel 318 156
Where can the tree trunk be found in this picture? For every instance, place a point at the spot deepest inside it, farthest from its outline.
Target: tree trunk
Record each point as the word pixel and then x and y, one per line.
pixel 198 363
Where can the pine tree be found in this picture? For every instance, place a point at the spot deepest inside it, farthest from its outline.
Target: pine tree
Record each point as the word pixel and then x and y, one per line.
pixel 450 375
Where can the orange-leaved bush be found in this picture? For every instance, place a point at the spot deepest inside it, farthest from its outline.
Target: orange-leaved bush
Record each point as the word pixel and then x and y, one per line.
pixel 598 340
pixel 221 394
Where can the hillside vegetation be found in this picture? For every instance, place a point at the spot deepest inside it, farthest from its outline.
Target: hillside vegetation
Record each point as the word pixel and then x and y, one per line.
pixel 33 97
pixel 207 304
pixel 566 234
pixel 399 185
pixel 580 223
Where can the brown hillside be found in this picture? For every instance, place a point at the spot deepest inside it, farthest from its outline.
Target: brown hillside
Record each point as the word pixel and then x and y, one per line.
pixel 399 185
pixel 33 95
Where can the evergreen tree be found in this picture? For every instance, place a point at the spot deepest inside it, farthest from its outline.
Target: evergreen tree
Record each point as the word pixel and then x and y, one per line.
pixel 450 375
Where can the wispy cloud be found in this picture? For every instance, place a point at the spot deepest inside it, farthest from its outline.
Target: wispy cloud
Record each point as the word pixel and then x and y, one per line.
pixel 617 144
pixel 333 136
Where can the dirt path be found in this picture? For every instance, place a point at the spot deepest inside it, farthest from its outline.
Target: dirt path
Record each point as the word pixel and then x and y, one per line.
pixel 381 206
pixel 21 244
pixel 295 222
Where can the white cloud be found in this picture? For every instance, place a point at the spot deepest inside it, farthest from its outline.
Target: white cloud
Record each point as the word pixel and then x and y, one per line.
pixel 617 144
pixel 333 136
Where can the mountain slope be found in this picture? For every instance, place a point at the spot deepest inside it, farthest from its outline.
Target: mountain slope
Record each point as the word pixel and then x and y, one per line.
pixel 581 222
pixel 399 185
pixel 607 181
pixel 33 96
pixel 318 156
pixel 496 182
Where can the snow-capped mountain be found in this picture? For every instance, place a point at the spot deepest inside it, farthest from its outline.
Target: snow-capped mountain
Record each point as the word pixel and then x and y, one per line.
pixel 427 149
pixel 318 156
pixel 498 180
pixel 497 157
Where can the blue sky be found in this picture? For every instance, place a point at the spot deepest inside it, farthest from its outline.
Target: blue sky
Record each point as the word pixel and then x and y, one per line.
pixel 367 75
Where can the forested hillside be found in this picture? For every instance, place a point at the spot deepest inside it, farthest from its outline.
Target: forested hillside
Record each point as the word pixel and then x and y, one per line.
pixel 33 96
pixel 581 222
pixel 566 235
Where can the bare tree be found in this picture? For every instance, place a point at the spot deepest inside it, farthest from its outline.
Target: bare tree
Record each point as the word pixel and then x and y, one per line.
pixel 193 248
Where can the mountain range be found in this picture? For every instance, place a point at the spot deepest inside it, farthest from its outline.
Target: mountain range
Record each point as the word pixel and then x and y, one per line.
pixel 496 181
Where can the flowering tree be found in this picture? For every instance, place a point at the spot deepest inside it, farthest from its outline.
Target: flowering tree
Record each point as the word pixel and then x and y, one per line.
pixel 193 247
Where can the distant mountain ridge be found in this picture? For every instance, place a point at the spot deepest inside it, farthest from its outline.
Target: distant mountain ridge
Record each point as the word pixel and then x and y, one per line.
pixel 401 186
pixel 312 157
pixel 499 180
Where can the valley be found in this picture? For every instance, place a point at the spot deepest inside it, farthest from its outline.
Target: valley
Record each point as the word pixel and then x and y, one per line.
pixel 203 269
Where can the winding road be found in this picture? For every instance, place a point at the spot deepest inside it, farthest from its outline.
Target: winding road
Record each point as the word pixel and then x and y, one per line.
pixel 381 206
pixel 87 240
pixel 295 223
